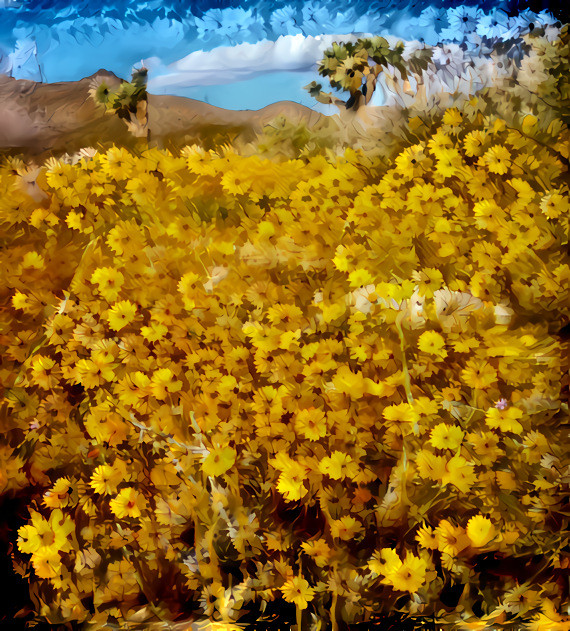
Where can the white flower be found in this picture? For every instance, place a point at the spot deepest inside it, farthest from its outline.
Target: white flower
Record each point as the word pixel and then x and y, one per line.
pixel 229 24
pixel 528 20
pixel 314 16
pixel 433 17
pixel 359 298
pixel 462 20
pixel 340 23
pixel 496 24
pixel 217 274
pixel 453 308
pixel 209 24
pixel 284 21
pixel 449 62
pixel 190 560
pixel 370 23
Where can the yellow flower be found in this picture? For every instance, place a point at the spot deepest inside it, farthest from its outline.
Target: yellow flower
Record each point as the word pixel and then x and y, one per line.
pixel 106 425
pixel 118 163
pixel 460 473
pixel 505 420
pixel 105 479
pixel 497 159
pixel 162 382
pixel 284 315
pixel 235 183
pixel 59 494
pixel 121 580
pixel 156 331
pixel 46 536
pixel 479 374
pixel 126 238
pixel 385 562
pixel 121 314
pixel 555 204
pixel 128 503
pixel 444 436
pixel 412 160
pixel 46 563
pixel 448 162
pixel 402 415
pixel 520 599
pixel 345 528
pixel 360 278
pixel 44 372
pixel 485 446
pixel 21 301
pixel 109 282
pixel 430 466
pixel 480 531
pixel 428 538
pixel 59 329
pixel 429 281
pixel 332 311
pixel 452 539
pixel 319 550
pixel 297 590
pixel 352 384
pixel 33 260
pixel 219 460
pixel 433 343
pixel 473 143
pixel 410 576
pixel 311 423
pixel 292 477
pixel 338 466
pixel 93 372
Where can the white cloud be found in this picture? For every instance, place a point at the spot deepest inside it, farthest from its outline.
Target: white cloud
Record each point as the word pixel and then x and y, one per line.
pixel 228 64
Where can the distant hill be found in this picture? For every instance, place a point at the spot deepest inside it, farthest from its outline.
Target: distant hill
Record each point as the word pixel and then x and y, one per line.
pixel 40 119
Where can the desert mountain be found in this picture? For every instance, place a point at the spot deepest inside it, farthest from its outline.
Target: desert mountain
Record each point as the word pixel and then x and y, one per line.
pixel 39 119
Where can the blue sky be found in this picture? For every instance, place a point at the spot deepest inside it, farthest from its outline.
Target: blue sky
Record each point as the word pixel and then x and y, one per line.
pixel 54 40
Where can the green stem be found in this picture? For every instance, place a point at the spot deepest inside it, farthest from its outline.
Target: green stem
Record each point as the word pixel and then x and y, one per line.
pixel 407 381
pixel 334 605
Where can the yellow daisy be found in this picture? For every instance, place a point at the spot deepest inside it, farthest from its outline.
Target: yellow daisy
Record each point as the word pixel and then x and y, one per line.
pixel 297 590
pixel 105 479
pixel 507 420
pixel 410 576
pixel 497 159
pixel 219 460
pixel 480 531
pixel 311 423
pixel 445 436
pixel 121 314
pixel 433 343
pixel 128 503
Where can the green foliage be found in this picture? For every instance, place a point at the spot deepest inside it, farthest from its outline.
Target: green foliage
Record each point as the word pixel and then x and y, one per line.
pixel 128 101
pixel 355 67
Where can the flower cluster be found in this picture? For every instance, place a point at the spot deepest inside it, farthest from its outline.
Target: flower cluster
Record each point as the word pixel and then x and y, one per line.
pixel 332 380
